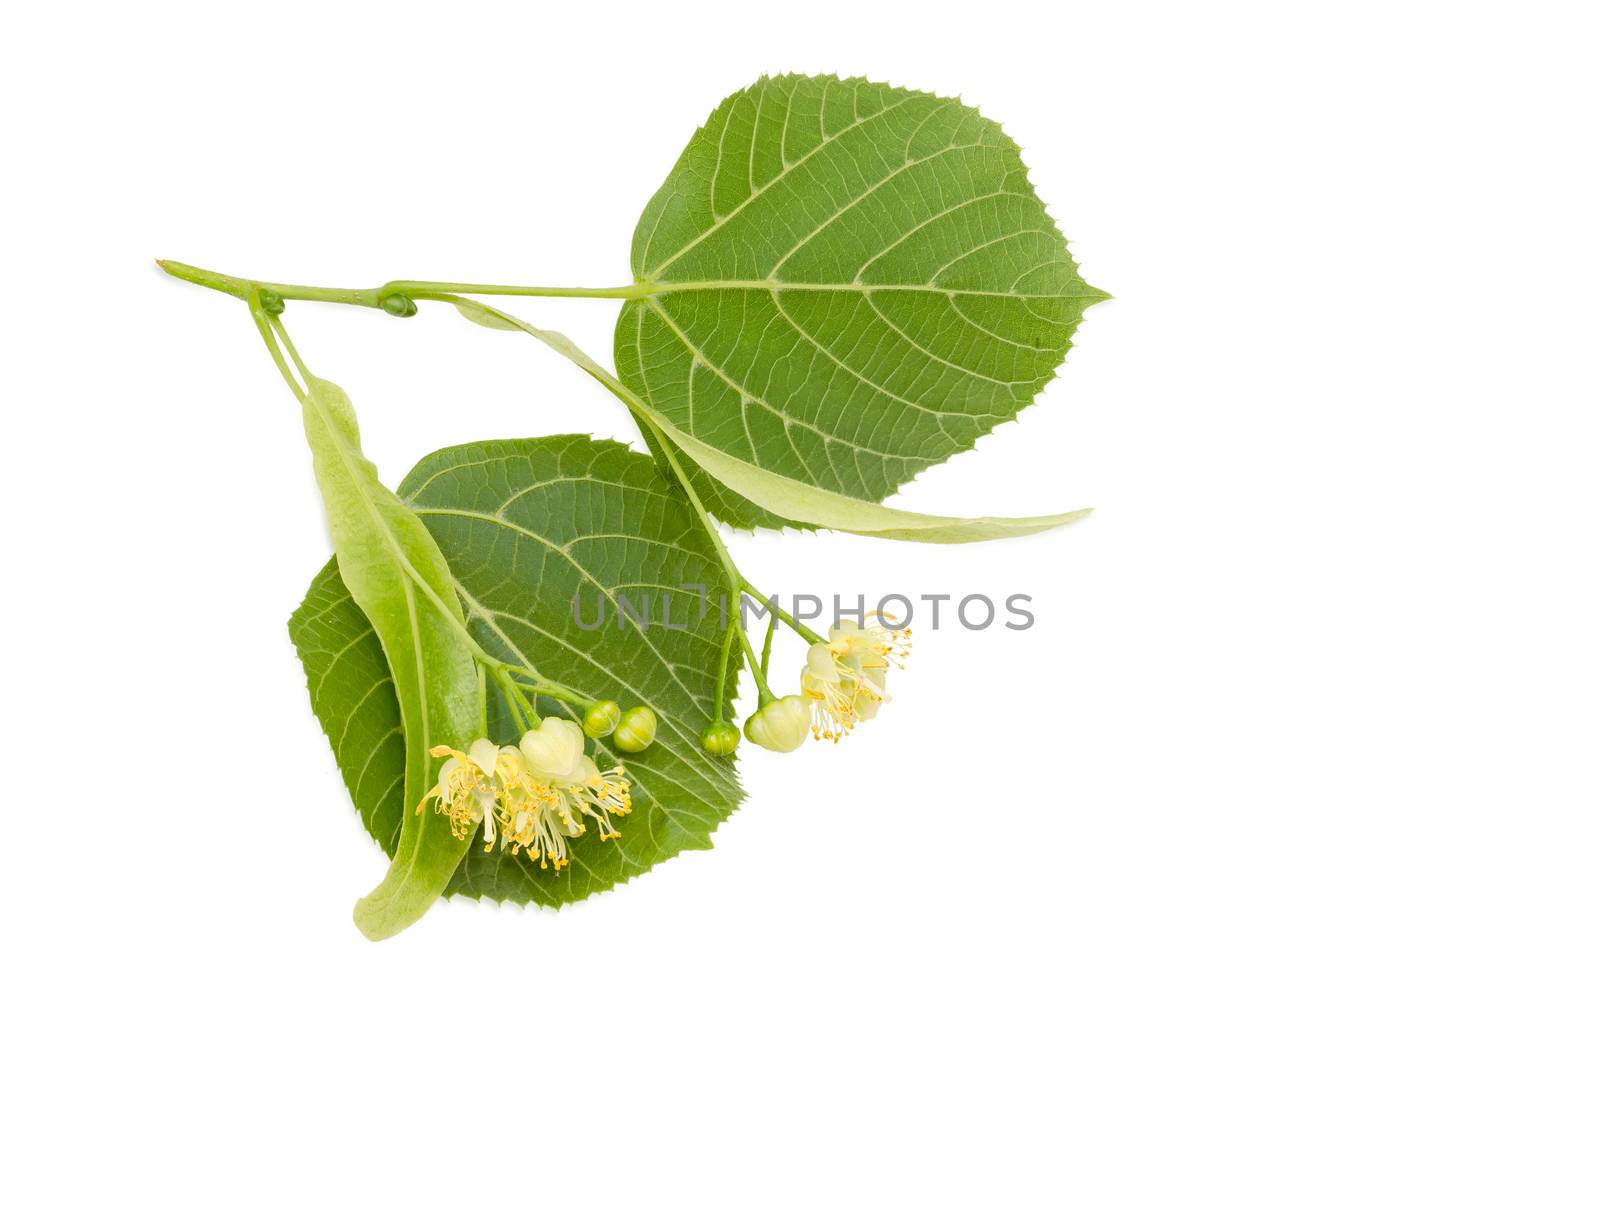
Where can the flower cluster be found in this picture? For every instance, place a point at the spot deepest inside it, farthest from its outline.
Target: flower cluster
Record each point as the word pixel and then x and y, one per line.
pixel 841 684
pixel 844 676
pixel 534 796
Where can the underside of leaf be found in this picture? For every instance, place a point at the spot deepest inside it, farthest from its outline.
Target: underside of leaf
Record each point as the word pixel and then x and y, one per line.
pixel 526 525
pixel 852 282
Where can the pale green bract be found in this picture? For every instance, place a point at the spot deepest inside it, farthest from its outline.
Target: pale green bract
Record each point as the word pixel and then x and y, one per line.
pixel 410 620
pixel 526 525
pixel 815 507
pixel 848 282
pixel 781 498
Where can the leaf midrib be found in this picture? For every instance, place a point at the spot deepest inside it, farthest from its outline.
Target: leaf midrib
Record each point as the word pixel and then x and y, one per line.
pixel 652 288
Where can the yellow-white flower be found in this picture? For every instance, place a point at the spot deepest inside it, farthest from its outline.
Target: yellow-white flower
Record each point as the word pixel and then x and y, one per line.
pixel 525 809
pixel 465 791
pixel 537 795
pixel 554 750
pixel 844 676
pixel 571 788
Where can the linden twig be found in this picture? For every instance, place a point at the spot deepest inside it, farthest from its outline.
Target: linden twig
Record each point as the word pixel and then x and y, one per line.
pixel 375 297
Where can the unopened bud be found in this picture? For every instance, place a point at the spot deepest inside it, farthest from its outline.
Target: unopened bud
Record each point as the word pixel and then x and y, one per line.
pixel 780 725
pixel 636 730
pixel 602 718
pixel 719 739
pixel 399 305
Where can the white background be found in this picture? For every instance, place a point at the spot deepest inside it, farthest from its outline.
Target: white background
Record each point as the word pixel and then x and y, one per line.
pixel 1258 877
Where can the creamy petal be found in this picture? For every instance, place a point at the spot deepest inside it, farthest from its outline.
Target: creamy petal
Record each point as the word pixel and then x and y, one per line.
pixel 820 664
pixel 554 750
pixel 483 753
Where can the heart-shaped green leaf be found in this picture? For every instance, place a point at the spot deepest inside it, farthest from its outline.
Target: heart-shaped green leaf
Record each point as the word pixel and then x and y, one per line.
pixel 848 282
pixel 529 526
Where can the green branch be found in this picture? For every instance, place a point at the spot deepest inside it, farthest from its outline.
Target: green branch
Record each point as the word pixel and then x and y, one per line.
pixel 374 297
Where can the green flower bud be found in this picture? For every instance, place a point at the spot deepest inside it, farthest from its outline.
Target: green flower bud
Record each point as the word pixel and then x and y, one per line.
pixel 719 738
pixel 780 725
pixel 399 305
pixel 602 718
pixel 271 302
pixel 636 730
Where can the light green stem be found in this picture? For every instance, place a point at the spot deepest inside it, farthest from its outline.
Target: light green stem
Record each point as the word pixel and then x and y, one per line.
pixel 766 646
pixel 373 297
pixel 722 666
pixel 515 702
pixel 779 614
pixel 418 288
pixel 561 692
pixel 765 693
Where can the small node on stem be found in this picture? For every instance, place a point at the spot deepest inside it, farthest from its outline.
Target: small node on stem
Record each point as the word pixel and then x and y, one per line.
pixel 396 304
pixel 601 718
pixel 271 302
pixel 719 739
pixel 636 730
